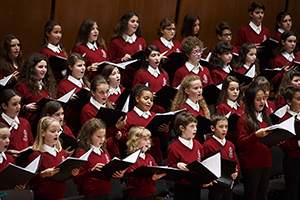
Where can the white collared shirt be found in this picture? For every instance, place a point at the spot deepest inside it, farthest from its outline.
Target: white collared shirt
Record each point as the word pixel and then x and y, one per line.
pixel 51 150
pixel 141 113
pixel 54 48
pixel 246 66
pixel 142 155
pixel 280 30
pixel 226 68
pixel 259 116
pixel 256 29
pixel 11 122
pixel 153 72
pixel 289 56
pixel 292 112
pixel 190 67
pixel 2 157
pixel 115 91
pixel 40 82
pixel 78 83
pixel 221 141
pixel 15 65
pixel 188 143
pixel 129 39
pixel 92 46
pixel 96 103
pixel 96 150
pixel 167 43
pixel 233 104
pixel 195 106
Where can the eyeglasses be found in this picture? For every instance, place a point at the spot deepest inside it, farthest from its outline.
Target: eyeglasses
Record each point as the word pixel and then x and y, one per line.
pixel 171 29
pixel 227 34
pixel 197 52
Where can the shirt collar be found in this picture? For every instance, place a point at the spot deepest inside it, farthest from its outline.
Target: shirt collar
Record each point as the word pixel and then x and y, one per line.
pixel 54 48
pixel 280 30
pixel 221 141
pixel 246 66
pixel 141 113
pixel 266 103
pixel 129 39
pixel 256 29
pixel 226 68
pixel 114 90
pixel 92 46
pixel 15 66
pixel 40 82
pixel 51 150
pixel 153 72
pixel 11 122
pixel 292 112
pixel 233 104
pixel 96 103
pixel 142 155
pixel 188 143
pixel 97 150
pixel 195 106
pixel 259 116
pixel 193 68
pixel 167 43
pixel 78 83
pixel 289 56
pixel 2 157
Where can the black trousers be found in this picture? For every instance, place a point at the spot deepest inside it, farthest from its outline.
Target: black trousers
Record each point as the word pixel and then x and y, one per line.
pixel 291 168
pixel 186 192
pixel 99 197
pixel 131 197
pixel 217 192
pixel 256 182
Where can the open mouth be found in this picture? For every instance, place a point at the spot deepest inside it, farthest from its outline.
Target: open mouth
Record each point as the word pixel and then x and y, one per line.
pixel 55 139
pixel 6 146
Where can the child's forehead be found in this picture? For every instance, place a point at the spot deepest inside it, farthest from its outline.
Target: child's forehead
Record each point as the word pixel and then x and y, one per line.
pixel 258 10
pixel 222 121
pixel 4 132
pixel 227 30
pixel 192 123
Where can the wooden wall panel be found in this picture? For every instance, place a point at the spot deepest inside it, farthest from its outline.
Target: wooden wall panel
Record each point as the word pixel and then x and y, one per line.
pixel 293 9
pixel 26 19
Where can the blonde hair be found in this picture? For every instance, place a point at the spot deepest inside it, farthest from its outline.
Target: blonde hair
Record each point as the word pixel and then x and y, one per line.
pixel 182 96
pixel 43 125
pixel 135 134
pixel 87 131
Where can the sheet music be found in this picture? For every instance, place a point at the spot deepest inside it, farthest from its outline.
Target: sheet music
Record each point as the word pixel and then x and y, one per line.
pixel 286 125
pixel 67 96
pixel 133 157
pixel 33 166
pixel 5 80
pixel 213 163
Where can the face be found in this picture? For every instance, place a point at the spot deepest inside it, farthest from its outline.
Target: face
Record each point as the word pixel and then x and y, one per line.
pixel 51 135
pixel 189 131
pixel 101 94
pixel 290 43
pixel 4 139
pixel 226 36
pixel 226 57
pixel 59 115
pixel 259 101
pixel 195 55
pixel 78 69
pixel 233 91
pixel 132 25
pixel 145 100
pixel 94 33
pixel 194 92
pixel 169 32
pixel 154 59
pixel 13 107
pixel 221 128
pixel 295 103
pixel 15 47
pixel 267 92
pixel 114 78
pixel 55 35
pixel 257 16
pixel 98 138
pixel 196 27
pixel 286 23
pixel 145 143
pixel 251 57
pixel 41 69
pixel 296 80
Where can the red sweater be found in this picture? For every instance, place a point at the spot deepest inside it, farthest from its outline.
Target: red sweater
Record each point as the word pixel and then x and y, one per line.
pixel 253 154
pixel 280 102
pixel 87 185
pixel 218 75
pixel 9 159
pixel 29 97
pixel 154 83
pixel 20 138
pixel 183 72
pixel 178 152
pixel 277 36
pixel 48 53
pixel 247 34
pixel 227 151
pixel 114 97
pixel 280 61
pixel 68 131
pixel 163 48
pixel 43 188
pixel 271 108
pixel 141 186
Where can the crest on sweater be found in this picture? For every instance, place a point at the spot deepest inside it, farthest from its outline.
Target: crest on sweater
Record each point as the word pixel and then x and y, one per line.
pixel 107 158
pixel 265 38
pixel 199 155
pixel 177 50
pixel 103 53
pixel 25 138
pixel 140 47
pixel 150 163
pixel 230 152
pixel 205 79
pixel 164 81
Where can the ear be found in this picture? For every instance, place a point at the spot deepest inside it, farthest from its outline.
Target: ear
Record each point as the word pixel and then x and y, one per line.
pixel 282 42
pixel 212 128
pixel 186 90
pixel 251 14
pixel 43 133
pixel 136 98
pixel 48 115
pixel 147 59
pixel 4 106
pixel 47 33
pixel 92 92
pixel 289 102
pixel 70 67
pixel 278 23
pixel 181 128
pixel 219 55
pixel 162 31
pixel 219 37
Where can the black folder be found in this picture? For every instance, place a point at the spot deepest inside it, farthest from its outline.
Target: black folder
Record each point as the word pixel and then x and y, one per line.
pixel 204 62
pixel 278 114
pixel 173 63
pixel 67 141
pixel 232 121
pixel 110 116
pixel 228 167
pixel 269 73
pixel 24 154
pixel 57 63
pixel 84 97
pixel 121 65
pixel 269 44
pixel 139 56
pixel 244 80
pixel 164 96
pixel 123 98
pixel 211 94
pixel 116 164
pixel 203 126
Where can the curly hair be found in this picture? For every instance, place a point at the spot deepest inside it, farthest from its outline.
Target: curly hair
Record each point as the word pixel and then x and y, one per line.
pixel 215 62
pixel 135 134
pixel 7 60
pixel 224 94
pixel 188 25
pixel 29 76
pixel 122 26
pixel 86 133
pixel 188 44
pixel 137 91
pixel 182 96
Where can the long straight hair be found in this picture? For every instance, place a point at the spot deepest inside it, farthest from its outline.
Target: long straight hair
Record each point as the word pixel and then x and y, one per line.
pixel 147 53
